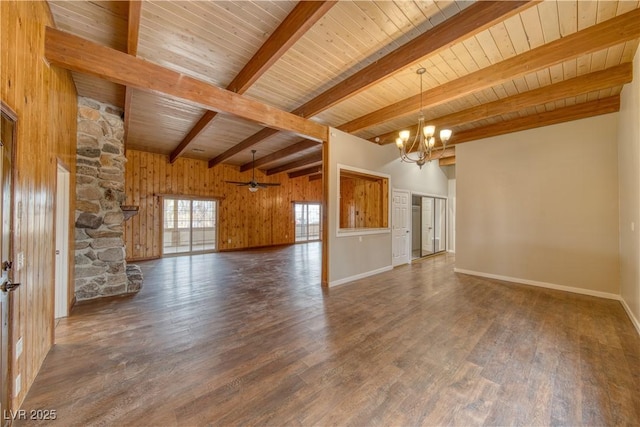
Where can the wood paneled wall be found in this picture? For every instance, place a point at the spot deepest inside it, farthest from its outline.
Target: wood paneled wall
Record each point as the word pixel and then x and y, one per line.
pixel 245 219
pixel 363 202
pixel 45 101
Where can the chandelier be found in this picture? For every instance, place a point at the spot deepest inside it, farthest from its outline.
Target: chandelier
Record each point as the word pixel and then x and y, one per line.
pixel 421 149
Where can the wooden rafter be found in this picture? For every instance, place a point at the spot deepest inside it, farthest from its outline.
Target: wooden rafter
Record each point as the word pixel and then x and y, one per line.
pixel 81 55
pixel 305 172
pixel 600 36
pixel 315 176
pixel 547 118
pixel 133 26
pixel 469 22
pixel 305 144
pixel 294 26
pixel 598 80
pixel 248 142
pixel 307 160
pixel 133 31
pixel 447 161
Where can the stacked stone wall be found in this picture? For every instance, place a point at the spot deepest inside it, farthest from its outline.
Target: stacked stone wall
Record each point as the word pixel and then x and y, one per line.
pixel 100 266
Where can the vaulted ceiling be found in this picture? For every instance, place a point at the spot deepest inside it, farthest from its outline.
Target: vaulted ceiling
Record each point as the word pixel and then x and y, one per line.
pixel 492 68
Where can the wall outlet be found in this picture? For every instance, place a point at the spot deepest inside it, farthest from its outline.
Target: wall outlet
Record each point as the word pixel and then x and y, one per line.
pixel 19 347
pixel 18 387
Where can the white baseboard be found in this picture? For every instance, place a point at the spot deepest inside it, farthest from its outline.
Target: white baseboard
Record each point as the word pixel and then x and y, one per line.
pixel 589 292
pixel 635 321
pixel 360 276
pixel 451 252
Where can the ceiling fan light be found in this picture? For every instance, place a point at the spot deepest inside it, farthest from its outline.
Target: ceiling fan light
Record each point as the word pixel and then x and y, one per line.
pixel 429 130
pixel 404 135
pixel 253 189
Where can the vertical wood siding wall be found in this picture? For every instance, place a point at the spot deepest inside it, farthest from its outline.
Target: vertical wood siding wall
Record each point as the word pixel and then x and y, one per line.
pixel 245 219
pixel 363 203
pixel 45 101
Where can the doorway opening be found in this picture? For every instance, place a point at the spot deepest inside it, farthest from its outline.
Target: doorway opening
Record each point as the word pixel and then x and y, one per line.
pixel 190 226
pixel 62 243
pixel 429 226
pixel 307 221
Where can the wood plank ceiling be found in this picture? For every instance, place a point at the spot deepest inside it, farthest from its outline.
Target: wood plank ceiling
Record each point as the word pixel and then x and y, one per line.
pixel 492 68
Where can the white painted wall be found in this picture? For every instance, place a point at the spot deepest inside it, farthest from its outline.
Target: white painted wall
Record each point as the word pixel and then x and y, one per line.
pixel 541 206
pixel 353 257
pixel 629 181
pixel 451 208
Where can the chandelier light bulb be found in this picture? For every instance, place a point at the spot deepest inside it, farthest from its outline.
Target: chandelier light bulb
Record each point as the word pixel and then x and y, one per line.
pixel 429 130
pixel 399 143
pixel 404 135
pixel 445 134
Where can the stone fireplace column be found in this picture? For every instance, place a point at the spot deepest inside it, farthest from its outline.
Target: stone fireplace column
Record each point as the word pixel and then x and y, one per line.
pixel 100 266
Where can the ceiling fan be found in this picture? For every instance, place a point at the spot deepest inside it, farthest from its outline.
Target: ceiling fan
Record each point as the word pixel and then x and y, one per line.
pixel 253 184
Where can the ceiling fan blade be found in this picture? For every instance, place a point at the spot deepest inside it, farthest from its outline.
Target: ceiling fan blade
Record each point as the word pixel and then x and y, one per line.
pixel 238 182
pixel 268 184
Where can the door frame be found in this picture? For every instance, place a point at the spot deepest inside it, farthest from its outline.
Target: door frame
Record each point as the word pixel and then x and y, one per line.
pixel 6 373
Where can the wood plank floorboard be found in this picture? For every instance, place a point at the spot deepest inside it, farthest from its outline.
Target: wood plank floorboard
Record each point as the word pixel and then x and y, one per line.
pixel 250 338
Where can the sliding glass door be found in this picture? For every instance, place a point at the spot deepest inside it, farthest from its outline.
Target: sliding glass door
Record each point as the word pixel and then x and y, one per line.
pixel 307 221
pixel 189 226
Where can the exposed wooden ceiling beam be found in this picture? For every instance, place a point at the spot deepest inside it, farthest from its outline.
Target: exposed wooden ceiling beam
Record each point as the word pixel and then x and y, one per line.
pixel 448 152
pixel 311 158
pixel 305 172
pixel 133 26
pixel 447 161
pixel 246 143
pixel 600 36
pixel 315 176
pixel 80 55
pixel 469 22
pixel 598 80
pixel 294 26
pixel 559 115
pixel 305 144
pixel 133 30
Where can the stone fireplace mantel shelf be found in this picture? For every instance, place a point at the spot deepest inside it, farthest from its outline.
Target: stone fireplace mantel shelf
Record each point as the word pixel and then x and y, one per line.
pixel 129 211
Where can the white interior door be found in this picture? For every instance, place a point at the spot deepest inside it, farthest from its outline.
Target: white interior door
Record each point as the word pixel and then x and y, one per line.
pixel 62 243
pixel 400 226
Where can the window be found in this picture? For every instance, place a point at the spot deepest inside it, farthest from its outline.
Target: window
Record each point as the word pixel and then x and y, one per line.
pixel 189 225
pixel 307 218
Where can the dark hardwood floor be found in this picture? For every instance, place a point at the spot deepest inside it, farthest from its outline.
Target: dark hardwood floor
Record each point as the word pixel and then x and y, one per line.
pixel 251 338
